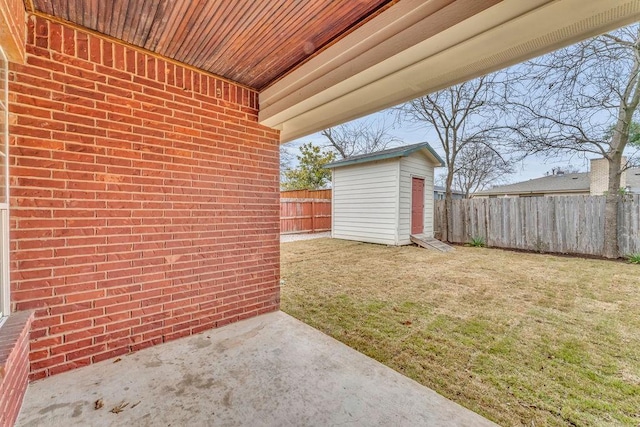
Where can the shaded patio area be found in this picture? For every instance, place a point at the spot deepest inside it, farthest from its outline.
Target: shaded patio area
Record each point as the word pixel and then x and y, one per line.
pixel 268 370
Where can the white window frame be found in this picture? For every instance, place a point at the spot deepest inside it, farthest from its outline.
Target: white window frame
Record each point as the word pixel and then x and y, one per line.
pixel 5 305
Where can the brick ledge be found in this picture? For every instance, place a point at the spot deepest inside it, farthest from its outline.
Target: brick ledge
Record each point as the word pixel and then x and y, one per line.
pixel 14 364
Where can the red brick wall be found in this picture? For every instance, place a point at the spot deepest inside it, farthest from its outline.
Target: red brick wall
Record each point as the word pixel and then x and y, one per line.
pixel 144 199
pixel 14 365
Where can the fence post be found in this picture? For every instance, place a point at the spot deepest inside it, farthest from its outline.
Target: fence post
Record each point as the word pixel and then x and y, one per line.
pixel 313 216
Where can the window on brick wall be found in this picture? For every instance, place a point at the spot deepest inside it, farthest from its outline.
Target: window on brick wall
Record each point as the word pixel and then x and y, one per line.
pixel 4 186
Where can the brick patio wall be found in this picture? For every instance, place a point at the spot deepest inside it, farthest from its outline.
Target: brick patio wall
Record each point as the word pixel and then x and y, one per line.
pixel 144 199
pixel 14 365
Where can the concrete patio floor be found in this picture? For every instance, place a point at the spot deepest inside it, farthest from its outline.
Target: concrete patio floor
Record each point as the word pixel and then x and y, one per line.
pixel 271 370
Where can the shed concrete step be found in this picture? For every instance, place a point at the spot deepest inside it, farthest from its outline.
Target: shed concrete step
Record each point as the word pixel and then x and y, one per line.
pixel 430 243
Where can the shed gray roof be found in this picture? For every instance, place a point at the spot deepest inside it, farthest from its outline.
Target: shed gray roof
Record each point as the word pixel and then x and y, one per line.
pixel 391 153
pixel 567 183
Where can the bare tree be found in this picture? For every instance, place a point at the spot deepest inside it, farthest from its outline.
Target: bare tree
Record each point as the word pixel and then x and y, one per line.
pixel 478 167
pixel 286 159
pixel 360 137
pixel 583 99
pixel 465 114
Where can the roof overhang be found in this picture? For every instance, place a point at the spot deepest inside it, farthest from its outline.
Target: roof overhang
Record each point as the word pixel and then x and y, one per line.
pixel 249 42
pixel 416 47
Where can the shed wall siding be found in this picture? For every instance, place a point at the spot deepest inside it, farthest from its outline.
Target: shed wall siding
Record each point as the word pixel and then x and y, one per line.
pixel 365 201
pixel 417 165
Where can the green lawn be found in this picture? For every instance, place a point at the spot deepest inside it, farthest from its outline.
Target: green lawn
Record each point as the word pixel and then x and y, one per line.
pixel 523 339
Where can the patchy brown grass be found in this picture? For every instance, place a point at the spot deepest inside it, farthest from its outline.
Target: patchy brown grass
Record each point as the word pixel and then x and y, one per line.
pixel 523 339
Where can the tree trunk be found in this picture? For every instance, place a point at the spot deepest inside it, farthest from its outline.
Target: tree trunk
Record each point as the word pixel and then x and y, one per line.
pixel 611 203
pixel 611 225
pixel 619 141
pixel 447 206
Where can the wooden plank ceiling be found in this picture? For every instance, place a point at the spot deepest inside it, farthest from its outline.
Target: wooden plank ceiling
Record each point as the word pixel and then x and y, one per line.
pixel 253 42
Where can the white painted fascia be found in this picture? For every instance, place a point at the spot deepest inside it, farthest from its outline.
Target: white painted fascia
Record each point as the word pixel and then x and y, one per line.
pixel 397 29
pixel 380 65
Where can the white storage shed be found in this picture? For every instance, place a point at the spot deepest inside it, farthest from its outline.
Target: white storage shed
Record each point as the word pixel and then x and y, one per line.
pixel 384 197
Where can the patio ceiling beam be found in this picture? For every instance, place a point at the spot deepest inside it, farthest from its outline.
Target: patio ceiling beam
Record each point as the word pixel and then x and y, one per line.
pixel 418 47
pixel 12 29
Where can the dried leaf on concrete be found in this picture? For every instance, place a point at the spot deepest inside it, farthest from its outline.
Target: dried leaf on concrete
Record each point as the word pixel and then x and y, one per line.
pixel 119 408
pixel 98 404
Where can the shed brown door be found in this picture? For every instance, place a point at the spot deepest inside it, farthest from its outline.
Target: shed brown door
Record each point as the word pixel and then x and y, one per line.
pixel 417 205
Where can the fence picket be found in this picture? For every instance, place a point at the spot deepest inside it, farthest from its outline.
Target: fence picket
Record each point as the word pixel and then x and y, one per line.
pixel 305 211
pixel 560 224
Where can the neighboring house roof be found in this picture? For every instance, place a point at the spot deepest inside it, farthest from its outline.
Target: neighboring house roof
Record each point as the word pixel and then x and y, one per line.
pixel 391 153
pixel 570 182
pixel 564 183
pixel 633 179
pixel 441 189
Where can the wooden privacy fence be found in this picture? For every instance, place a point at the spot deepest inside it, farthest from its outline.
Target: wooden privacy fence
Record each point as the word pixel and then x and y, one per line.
pixel 559 224
pixel 305 211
